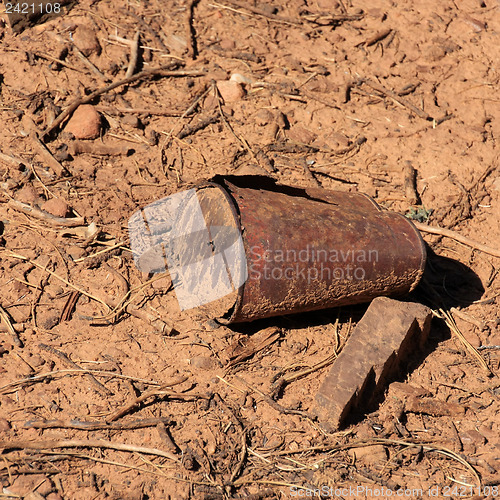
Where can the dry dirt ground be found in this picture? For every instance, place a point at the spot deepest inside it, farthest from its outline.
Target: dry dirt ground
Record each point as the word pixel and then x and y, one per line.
pixel 337 93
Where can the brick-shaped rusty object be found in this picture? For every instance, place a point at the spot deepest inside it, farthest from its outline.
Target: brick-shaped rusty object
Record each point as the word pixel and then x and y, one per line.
pixel 378 348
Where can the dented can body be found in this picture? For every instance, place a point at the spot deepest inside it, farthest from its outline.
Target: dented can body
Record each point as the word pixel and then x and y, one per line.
pixel 309 249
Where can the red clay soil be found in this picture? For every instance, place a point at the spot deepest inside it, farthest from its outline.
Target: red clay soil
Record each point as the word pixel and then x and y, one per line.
pixel 340 94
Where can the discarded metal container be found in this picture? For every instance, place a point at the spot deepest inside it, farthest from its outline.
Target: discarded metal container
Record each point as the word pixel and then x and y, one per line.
pixel 271 250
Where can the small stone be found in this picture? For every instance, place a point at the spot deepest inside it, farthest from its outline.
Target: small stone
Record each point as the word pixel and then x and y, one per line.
pixel 250 169
pixel 375 453
pixel 45 488
pixel 49 320
pixel 471 440
pixel 270 132
pixel 56 206
pixel 54 496
pixel 328 5
pixel 76 252
pixel 301 135
pixel 85 123
pixel 4 425
pixel 210 103
pixel 263 117
pixel 202 362
pixel 131 121
pixel 434 53
pixel 34 495
pixel 36 360
pixel 230 91
pixel 27 194
pixel 86 40
pixel 337 140
pixel 239 78
pixel 25 484
pixel 227 44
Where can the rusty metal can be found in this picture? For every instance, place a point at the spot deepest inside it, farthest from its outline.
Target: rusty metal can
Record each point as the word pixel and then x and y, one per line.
pixel 309 249
pixel 245 248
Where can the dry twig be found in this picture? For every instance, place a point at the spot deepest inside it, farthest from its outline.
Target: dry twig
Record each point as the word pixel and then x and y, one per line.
pixel 4 316
pixel 458 237
pixel 82 425
pixel 46 216
pixel 158 391
pixel 68 362
pixel 143 75
pixel 134 55
pixel 82 443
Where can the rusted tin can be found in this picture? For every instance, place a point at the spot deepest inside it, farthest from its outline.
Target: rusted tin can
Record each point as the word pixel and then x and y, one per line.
pixel 309 249
pixel 244 248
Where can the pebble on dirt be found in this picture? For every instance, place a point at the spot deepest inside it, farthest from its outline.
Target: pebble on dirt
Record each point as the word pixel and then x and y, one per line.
pixel 301 134
pixel 27 194
pixel 230 91
pixel 85 122
pixel 4 425
pixel 56 206
pixel 86 40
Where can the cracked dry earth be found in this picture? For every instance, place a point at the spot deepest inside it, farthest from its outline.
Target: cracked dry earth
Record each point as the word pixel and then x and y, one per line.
pixel 343 94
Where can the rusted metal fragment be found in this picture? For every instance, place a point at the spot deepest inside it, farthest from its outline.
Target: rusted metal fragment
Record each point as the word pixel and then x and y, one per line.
pixel 378 348
pixel 310 249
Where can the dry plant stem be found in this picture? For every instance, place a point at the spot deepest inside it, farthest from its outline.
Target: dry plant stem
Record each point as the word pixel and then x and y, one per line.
pixel 409 181
pixel 83 443
pixel 134 55
pixel 380 35
pixel 12 386
pixel 190 33
pixel 158 391
pixel 64 357
pixel 273 404
pixel 58 61
pixel 95 426
pixel 45 216
pixel 448 233
pixel 52 273
pixel 140 111
pixel 309 174
pixel 4 316
pixel 79 147
pixel 450 322
pixel 263 13
pixel 89 64
pixel 389 93
pixel 69 306
pixel 47 155
pixel 150 73
pixel 384 441
pixel 11 160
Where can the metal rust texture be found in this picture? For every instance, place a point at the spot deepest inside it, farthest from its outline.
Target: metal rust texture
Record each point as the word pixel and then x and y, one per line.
pixel 310 249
